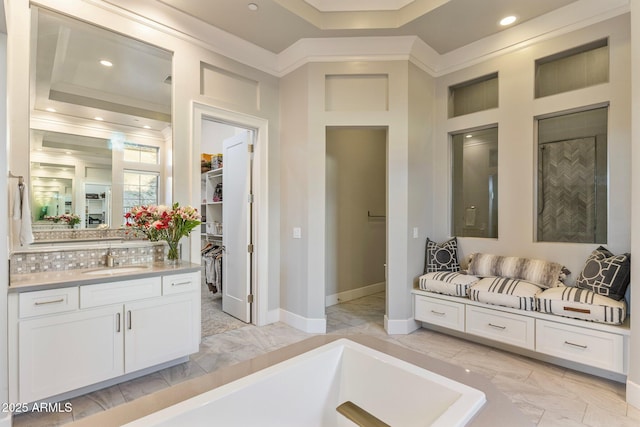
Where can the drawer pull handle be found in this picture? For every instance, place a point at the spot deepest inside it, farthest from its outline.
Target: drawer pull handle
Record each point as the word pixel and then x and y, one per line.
pixel 118 322
pixel 55 301
pixel 180 284
pixel 497 326
pixel 438 313
pixel 575 345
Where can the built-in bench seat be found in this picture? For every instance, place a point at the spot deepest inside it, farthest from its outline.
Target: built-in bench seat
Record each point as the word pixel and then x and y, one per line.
pixel 522 305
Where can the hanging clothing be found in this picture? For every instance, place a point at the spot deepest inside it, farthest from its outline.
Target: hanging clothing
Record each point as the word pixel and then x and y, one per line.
pixel 22 214
pixel 213 267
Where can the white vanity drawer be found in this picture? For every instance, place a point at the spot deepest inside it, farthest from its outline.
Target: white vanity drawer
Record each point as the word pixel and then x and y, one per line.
pixel 439 312
pixel 179 283
pixel 500 326
pixel 595 348
pixel 48 302
pixel 119 292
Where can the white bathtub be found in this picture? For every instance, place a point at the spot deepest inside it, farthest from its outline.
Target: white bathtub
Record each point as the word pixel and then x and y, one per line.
pixel 305 391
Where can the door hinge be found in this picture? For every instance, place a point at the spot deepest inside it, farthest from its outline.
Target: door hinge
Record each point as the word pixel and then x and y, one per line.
pixel 250 298
pixel 250 198
pixel 250 148
pixel 250 248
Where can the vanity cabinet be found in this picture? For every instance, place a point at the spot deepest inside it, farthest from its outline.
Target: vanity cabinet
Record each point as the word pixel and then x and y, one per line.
pixel 74 337
pixel 66 351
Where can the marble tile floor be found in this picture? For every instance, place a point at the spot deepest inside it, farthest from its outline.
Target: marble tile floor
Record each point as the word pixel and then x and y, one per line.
pixel 548 395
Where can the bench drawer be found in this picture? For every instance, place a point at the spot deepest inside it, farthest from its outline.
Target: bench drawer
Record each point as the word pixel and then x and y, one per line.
pixel 439 312
pixel 590 347
pixel 501 326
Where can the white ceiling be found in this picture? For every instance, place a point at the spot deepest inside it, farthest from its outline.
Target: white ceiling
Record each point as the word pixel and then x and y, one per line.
pixel 444 25
pixel 277 38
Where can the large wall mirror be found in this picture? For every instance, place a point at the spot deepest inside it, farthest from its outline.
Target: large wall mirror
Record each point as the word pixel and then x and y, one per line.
pixel 100 124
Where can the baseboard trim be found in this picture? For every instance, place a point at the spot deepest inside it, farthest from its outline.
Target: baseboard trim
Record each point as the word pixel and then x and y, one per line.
pixel 400 327
pixel 6 420
pixel 633 394
pixel 311 326
pixel 354 293
pixel 273 316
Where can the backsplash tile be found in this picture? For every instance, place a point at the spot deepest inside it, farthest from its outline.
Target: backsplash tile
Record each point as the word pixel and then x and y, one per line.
pixel 37 262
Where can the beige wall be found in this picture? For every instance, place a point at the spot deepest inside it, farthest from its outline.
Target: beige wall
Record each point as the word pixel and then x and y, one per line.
pixel 355 186
pixel 364 94
pixel 517 145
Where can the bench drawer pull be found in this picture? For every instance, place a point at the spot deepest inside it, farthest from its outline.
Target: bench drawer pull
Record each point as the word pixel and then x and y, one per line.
pixel 497 326
pixel 575 345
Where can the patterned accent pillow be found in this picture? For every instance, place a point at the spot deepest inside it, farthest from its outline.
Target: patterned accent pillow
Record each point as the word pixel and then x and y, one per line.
pixel 545 274
pixel 441 256
pixel 581 304
pixel 447 283
pixel 606 274
pixel 505 292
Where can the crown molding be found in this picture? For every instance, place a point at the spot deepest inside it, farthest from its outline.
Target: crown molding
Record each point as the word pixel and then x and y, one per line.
pixel 164 18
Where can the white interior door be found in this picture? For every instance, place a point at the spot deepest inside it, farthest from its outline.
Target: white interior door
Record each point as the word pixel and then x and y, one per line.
pixel 236 222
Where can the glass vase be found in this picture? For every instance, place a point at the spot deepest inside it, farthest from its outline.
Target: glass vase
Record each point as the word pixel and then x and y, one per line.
pixel 173 256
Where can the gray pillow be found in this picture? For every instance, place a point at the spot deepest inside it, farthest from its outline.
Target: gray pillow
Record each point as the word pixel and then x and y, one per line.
pixel 441 256
pixel 606 274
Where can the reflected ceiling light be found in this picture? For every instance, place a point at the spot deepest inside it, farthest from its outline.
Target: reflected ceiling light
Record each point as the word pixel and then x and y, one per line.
pixel 98 119
pixel 146 127
pixel 468 135
pixel 508 20
pixel 252 6
pixel 51 110
pixel 106 63
pixel 67 152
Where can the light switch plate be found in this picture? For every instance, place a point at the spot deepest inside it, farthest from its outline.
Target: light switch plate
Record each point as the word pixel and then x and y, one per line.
pixel 297 233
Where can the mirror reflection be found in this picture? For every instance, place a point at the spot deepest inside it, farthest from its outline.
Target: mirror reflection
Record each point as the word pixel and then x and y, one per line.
pixel 100 124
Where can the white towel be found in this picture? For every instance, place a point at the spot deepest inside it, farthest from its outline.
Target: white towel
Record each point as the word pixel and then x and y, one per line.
pixel 22 213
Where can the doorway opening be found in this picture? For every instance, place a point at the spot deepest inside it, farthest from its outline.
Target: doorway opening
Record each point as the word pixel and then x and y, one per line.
pixel 356 211
pixel 228 244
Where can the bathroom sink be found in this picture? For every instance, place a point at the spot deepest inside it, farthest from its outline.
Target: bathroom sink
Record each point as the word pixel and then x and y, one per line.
pixel 115 270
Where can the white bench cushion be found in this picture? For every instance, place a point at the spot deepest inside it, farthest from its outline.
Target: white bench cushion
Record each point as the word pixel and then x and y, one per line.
pixel 581 304
pixel 447 283
pixel 505 292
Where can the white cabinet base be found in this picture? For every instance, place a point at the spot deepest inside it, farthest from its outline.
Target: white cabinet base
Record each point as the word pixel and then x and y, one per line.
pixel 63 346
pixel 594 348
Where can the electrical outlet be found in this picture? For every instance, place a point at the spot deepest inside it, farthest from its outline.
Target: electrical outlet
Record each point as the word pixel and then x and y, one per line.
pixel 297 233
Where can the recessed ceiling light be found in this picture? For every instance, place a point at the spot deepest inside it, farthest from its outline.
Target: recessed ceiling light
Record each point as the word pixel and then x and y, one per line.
pixel 468 135
pixel 67 152
pixel 98 119
pixel 146 127
pixel 252 6
pixel 51 110
pixel 508 20
pixel 106 63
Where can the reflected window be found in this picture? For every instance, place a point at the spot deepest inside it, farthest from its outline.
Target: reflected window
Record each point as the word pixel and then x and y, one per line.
pixel 572 177
pixel 140 153
pixel 475 183
pixel 140 188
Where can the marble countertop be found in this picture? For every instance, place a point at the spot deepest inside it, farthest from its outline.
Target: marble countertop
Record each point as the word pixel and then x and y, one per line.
pixel 67 278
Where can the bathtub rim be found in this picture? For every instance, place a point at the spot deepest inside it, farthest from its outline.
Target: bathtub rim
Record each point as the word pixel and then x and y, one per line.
pixel 469 402
pixel 498 408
